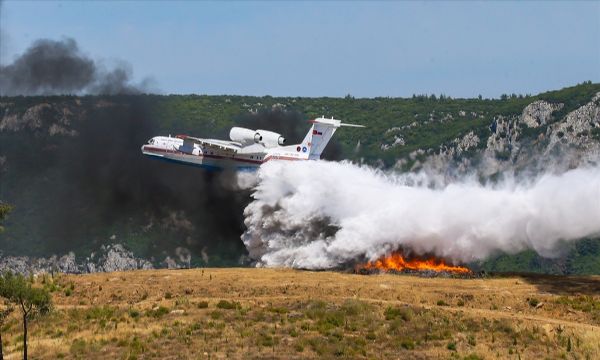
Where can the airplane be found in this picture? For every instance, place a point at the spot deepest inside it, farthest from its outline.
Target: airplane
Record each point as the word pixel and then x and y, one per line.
pixel 247 150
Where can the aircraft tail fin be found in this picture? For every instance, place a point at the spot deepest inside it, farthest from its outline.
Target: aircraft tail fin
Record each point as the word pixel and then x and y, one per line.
pixel 319 135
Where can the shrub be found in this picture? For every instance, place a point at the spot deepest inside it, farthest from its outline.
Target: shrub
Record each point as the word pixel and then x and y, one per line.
pixel 215 315
pixel 355 307
pixel 533 302
pixel 451 346
pixel 316 309
pixel 134 314
pixel 317 344
pixel 228 305
pixel 392 313
pixel 333 318
pixel 472 357
pixel 157 312
pixel 100 313
pixel 203 305
pixel 277 310
pixel 182 301
pixel 78 347
pixel 471 340
pixel 266 340
pixel 136 345
pixel 442 303
pixel 407 344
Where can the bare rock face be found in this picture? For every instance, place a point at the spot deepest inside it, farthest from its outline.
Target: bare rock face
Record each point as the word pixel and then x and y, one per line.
pixel 170 263
pixel 27 265
pixel 558 144
pixel 467 142
pixel 437 162
pixel 16 264
pixel 67 264
pixel 32 119
pixel 539 113
pixel 578 130
pixel 115 258
pixel 503 142
pixel 110 258
pixel 398 141
pixel 54 119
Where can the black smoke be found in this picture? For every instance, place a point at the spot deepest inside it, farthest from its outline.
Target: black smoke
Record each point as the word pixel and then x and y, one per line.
pixel 75 193
pixel 50 67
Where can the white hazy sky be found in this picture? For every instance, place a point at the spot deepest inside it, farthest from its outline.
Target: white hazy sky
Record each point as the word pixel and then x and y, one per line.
pixel 335 48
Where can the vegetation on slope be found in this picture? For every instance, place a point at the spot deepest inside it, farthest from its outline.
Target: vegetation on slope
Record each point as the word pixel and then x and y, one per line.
pixel 69 198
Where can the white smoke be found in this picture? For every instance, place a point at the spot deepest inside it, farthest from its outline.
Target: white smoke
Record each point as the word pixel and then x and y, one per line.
pixel 318 214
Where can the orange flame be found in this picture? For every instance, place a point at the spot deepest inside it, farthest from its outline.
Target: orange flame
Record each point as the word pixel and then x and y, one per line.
pixel 396 261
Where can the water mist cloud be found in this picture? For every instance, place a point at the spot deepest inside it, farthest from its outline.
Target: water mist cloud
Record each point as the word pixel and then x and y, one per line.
pixel 319 214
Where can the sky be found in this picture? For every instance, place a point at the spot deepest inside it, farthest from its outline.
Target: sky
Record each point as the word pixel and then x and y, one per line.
pixel 333 48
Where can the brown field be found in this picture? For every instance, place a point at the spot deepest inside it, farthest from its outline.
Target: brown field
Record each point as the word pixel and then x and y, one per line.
pixel 283 314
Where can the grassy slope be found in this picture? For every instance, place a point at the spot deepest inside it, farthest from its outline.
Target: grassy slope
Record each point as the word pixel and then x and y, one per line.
pixel 282 314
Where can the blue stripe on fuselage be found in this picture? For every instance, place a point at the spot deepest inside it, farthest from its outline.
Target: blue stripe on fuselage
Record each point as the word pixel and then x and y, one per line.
pixel 203 166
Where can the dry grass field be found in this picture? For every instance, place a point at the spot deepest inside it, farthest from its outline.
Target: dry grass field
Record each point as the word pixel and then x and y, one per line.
pixel 289 314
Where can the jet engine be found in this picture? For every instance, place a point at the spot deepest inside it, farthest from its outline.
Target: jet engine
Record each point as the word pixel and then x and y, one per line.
pixel 270 138
pixel 244 136
pixel 265 137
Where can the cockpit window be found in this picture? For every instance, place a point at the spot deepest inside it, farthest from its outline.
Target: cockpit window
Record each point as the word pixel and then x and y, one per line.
pixel 151 141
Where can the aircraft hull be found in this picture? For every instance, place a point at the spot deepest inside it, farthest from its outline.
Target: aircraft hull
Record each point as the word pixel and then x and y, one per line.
pixel 209 162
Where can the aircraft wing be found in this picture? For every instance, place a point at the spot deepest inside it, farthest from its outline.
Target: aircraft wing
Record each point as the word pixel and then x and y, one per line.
pixel 210 143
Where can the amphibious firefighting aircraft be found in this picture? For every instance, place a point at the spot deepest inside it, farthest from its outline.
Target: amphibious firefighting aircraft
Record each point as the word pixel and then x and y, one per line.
pixel 247 150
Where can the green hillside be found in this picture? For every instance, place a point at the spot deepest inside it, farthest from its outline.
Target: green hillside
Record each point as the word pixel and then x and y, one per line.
pixel 72 168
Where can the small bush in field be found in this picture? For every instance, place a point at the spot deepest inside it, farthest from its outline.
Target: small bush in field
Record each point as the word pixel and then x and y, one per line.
pixel 227 305
pixel 203 305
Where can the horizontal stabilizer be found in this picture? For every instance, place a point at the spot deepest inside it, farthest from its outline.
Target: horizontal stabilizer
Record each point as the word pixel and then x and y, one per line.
pixel 333 122
pixel 352 125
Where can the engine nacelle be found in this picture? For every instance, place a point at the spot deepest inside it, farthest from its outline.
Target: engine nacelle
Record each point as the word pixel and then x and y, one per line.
pixel 244 136
pixel 270 138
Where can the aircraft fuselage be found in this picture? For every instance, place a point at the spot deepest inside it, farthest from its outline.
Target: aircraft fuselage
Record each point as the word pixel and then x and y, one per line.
pixel 174 149
pixel 247 150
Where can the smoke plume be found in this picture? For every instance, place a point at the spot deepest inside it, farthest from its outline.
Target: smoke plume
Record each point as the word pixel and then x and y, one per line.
pixel 50 67
pixel 321 214
pixel 94 186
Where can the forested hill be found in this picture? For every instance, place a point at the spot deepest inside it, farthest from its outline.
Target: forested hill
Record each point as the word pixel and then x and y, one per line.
pixel 72 168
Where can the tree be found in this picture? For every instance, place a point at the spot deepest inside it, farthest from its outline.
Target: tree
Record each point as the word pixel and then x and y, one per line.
pixel 4 210
pixel 31 300
pixel 3 315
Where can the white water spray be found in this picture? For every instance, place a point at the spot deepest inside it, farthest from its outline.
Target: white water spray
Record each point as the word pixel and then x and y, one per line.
pixel 319 214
